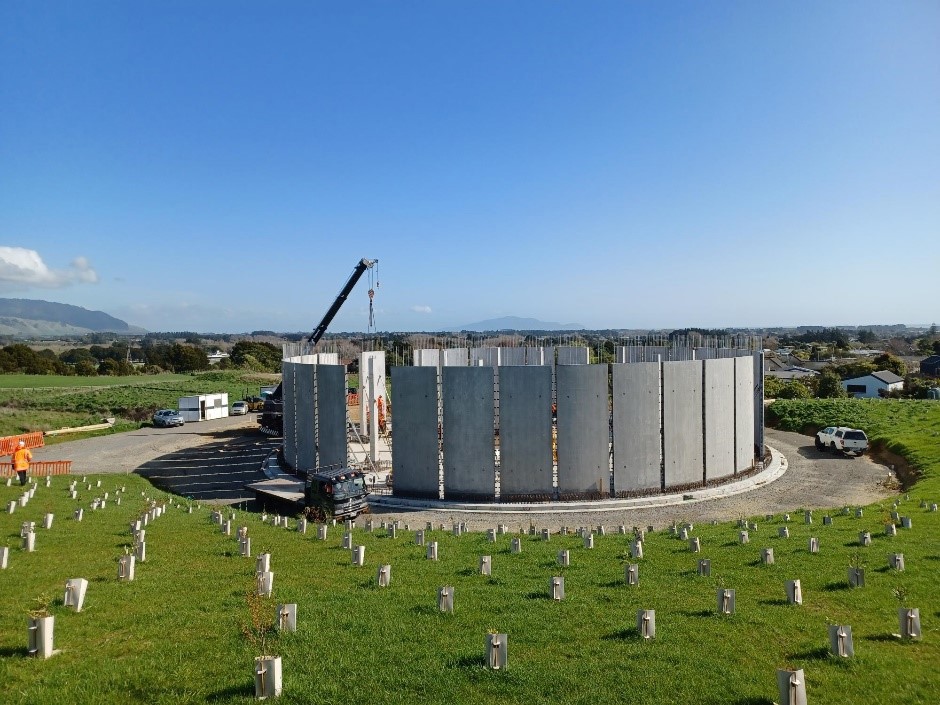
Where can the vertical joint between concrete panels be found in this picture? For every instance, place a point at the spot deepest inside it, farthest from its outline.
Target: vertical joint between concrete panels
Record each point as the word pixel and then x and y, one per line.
pixel 316 420
pixel 734 409
pixel 350 458
pixel 704 422
pixel 440 435
pixel 611 490
pixel 662 428
pixel 759 404
pixel 554 429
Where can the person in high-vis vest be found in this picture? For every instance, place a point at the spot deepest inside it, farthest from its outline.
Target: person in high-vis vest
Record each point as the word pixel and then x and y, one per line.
pixel 21 458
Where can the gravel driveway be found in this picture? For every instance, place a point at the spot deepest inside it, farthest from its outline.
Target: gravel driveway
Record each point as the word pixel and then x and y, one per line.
pixel 176 459
pixel 125 452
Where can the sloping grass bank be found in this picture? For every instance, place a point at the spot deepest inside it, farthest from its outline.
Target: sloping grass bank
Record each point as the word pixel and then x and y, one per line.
pixel 174 634
pixel 908 427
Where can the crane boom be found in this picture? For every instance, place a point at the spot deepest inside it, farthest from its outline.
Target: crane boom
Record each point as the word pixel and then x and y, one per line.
pixel 360 269
pixel 272 420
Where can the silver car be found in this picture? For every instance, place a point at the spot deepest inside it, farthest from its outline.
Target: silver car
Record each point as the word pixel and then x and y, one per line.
pixel 166 418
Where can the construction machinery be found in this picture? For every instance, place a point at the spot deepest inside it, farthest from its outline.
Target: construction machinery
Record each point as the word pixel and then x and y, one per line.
pixel 335 493
pixel 272 416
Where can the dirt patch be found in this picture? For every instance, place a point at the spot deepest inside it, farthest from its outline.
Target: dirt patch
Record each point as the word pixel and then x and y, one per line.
pixel 907 474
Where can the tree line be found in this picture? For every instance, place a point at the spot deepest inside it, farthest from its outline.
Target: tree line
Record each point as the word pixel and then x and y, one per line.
pixel 121 359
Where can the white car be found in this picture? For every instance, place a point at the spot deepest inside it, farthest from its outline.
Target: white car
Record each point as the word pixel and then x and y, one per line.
pixel 239 408
pixel 843 439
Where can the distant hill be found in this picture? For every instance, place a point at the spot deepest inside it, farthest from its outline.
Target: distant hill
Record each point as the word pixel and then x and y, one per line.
pixel 29 318
pixel 512 323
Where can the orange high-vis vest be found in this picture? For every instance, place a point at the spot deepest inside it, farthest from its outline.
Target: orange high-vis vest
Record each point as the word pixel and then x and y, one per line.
pixel 21 458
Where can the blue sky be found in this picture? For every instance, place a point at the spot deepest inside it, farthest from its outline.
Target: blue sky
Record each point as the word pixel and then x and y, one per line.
pixel 222 166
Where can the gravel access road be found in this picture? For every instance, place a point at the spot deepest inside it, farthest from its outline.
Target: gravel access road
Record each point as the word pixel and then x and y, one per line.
pixel 206 461
pixel 213 460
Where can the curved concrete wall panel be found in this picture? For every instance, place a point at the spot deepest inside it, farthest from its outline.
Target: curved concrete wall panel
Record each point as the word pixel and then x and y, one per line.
pixel 416 458
pixel 302 402
pixel 636 427
pixel 743 413
pixel 583 429
pixel 525 434
pixel 289 418
pixel 469 454
pixel 719 421
pixel 330 381
pixel 682 423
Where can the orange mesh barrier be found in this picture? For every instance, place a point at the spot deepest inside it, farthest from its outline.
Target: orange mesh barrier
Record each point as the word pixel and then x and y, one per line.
pixel 40 469
pixel 8 444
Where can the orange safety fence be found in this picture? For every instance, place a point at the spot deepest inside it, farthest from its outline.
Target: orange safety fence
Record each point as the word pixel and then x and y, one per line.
pixel 8 444
pixel 352 399
pixel 40 469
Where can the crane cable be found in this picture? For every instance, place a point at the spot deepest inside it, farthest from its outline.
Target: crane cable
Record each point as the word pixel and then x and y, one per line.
pixel 373 285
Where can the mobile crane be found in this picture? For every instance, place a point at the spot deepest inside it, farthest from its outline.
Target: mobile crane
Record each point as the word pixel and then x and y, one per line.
pixel 272 416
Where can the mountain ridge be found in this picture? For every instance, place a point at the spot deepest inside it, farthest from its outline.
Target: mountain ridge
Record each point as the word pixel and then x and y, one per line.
pixel 34 317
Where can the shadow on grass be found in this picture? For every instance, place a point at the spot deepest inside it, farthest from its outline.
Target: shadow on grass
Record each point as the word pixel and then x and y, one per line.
pixel 697 613
pixel 495 581
pixel 623 635
pixel 774 603
pixel 235 691
pixel 537 595
pixel 818 654
pixel 467 572
pixel 426 610
pixel 467 663
pixel 612 584
pixel 835 586
pixel 884 637
pixel 14 651
pixel 752 701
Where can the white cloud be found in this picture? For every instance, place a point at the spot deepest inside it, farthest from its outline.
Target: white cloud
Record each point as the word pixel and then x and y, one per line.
pixel 421 309
pixel 24 269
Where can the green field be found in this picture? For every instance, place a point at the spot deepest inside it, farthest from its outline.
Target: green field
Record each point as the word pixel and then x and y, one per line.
pixel 44 403
pixel 14 381
pixel 175 634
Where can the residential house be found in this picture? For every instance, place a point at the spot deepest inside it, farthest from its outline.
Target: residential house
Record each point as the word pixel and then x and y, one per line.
pixel 931 366
pixel 873 385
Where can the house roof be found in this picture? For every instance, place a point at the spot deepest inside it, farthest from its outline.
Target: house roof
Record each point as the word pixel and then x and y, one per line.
pixel 882 376
pixel 887 376
pixel 932 360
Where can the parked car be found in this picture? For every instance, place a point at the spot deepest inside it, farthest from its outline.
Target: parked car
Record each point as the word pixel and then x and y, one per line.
pixel 841 438
pixel 166 418
pixel 238 408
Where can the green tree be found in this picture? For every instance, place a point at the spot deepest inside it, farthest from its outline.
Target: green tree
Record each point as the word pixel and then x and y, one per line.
pixel 188 358
pixel 830 386
pixel 86 368
pixel 891 362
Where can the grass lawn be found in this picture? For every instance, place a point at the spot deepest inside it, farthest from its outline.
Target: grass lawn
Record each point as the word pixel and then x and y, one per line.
pixel 17 381
pixel 174 634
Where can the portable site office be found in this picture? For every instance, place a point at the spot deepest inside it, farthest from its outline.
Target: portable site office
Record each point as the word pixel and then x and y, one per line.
pixel 204 407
